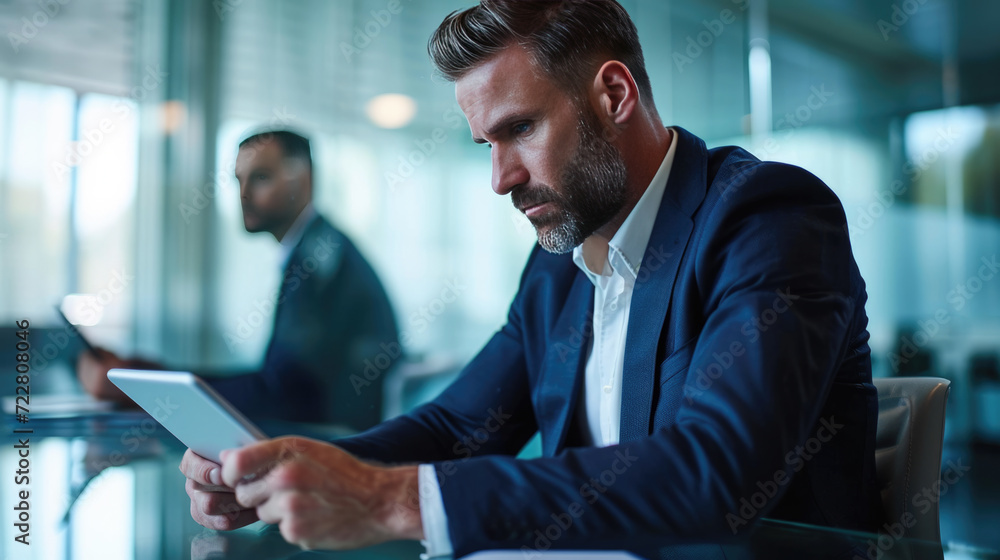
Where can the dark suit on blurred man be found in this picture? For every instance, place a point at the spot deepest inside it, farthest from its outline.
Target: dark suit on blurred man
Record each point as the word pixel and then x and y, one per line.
pixel 335 335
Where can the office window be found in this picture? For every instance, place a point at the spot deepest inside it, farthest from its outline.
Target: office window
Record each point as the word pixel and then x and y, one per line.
pixel 67 206
pixel 104 211
pixel 38 127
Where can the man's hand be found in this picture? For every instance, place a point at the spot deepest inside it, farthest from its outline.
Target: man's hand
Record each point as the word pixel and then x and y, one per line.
pixel 213 504
pixel 322 497
pixel 319 495
pixel 92 370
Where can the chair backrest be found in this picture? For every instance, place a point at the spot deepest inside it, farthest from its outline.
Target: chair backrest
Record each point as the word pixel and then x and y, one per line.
pixel 908 450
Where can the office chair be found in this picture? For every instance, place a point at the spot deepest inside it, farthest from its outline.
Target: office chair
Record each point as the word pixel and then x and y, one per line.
pixel 908 446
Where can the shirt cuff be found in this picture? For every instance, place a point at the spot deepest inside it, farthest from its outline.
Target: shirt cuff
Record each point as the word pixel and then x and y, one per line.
pixel 432 514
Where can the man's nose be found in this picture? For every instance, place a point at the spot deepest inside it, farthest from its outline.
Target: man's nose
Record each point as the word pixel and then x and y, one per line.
pixel 508 170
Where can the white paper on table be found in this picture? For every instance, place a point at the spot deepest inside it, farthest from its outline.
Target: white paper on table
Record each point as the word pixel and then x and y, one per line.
pixel 58 405
pixel 552 555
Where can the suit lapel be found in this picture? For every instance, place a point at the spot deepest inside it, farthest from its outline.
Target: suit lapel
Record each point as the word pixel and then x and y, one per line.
pixel 562 371
pixel 284 292
pixel 654 286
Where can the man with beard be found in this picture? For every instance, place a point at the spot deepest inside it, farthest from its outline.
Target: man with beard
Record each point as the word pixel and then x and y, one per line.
pixel 332 317
pixel 689 338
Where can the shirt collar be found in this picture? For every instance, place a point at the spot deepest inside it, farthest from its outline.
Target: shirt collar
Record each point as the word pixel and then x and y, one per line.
pixel 295 233
pixel 626 248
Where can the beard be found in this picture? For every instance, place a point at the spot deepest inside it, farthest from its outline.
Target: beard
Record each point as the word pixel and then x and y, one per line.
pixel 256 222
pixel 591 191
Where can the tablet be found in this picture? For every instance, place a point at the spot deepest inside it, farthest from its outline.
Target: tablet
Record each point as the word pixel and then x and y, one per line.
pixel 86 343
pixel 189 409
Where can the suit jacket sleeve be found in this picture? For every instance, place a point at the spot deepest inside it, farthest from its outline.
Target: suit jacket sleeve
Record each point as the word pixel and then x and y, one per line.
pixel 485 411
pixel 775 253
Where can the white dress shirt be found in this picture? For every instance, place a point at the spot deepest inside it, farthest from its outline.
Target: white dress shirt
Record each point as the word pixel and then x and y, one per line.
pixel 612 266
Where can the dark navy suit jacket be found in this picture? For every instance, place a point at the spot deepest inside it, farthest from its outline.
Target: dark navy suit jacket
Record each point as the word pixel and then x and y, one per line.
pixel 746 385
pixel 334 340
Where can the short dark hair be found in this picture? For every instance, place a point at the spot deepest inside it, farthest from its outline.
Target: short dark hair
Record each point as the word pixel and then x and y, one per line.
pixel 293 145
pixel 565 38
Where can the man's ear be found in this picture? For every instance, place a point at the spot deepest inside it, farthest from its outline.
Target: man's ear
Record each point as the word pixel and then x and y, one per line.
pixel 616 92
pixel 307 183
pixel 300 177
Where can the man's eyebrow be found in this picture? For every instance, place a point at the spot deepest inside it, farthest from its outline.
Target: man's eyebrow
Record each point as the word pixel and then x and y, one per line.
pixel 503 124
pixel 252 171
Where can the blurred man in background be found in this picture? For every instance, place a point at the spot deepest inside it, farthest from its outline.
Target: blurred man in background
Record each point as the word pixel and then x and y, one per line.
pixel 335 335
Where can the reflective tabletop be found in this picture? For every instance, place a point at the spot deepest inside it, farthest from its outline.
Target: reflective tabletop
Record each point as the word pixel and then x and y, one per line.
pixel 106 485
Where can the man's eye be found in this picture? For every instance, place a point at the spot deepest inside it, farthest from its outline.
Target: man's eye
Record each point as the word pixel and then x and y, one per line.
pixel 521 128
pixel 260 177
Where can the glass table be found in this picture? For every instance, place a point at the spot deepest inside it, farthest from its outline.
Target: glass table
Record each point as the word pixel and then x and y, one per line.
pixel 106 485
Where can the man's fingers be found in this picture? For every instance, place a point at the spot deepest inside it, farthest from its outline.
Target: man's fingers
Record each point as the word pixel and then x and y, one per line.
pixel 285 506
pixel 258 458
pixel 209 487
pixel 253 493
pixel 109 360
pixel 200 469
pixel 192 485
pixel 271 511
pixel 225 522
pixel 213 503
pixel 293 475
pixel 217 510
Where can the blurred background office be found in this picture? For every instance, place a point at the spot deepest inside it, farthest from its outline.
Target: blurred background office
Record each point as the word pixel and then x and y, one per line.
pixel 119 121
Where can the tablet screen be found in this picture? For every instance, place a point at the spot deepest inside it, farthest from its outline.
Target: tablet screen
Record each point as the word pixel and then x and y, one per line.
pixel 189 409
